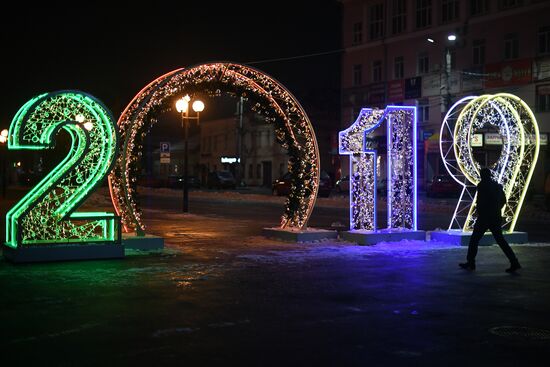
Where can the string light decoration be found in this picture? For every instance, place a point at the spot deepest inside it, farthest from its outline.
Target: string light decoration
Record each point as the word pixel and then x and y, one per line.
pixel 362 178
pixel 268 97
pixel 46 214
pixel 401 142
pixel 513 170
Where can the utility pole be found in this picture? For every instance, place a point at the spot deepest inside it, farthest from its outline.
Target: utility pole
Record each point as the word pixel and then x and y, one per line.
pixel 240 107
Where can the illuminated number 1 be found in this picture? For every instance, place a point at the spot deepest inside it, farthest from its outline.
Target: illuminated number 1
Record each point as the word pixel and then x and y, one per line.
pixel 46 215
pixel 401 177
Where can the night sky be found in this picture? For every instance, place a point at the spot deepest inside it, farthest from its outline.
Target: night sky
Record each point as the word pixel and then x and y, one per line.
pixel 114 52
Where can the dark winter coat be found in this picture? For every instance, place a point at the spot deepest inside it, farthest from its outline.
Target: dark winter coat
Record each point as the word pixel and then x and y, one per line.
pixel 490 200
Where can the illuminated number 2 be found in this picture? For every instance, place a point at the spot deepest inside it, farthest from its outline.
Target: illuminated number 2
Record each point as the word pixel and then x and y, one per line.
pixel 401 177
pixel 518 128
pixel 46 214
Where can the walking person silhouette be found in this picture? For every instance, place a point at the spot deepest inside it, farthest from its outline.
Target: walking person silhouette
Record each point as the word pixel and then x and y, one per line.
pixel 490 200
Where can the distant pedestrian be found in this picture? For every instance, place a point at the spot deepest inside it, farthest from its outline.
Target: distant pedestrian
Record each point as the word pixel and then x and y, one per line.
pixel 490 201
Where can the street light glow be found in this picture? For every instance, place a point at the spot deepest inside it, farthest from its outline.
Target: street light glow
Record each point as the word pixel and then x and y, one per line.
pixel 198 106
pixel 431 40
pixel 182 104
pixel 79 118
pixel 451 37
pixel 3 139
pixel 4 133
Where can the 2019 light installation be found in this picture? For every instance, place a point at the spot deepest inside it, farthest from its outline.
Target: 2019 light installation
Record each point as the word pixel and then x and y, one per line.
pixel 293 131
pixel 46 215
pixel 401 177
pixel 520 149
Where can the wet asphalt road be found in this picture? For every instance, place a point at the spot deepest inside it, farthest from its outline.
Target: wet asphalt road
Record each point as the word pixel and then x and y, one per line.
pixel 219 294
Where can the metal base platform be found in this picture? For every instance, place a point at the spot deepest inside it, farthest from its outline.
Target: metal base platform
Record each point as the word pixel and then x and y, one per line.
pixel 306 235
pixel 146 242
pixel 48 253
pixel 363 237
pixel 461 238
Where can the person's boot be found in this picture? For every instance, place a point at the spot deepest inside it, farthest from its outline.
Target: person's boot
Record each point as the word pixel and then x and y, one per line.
pixel 514 265
pixel 468 265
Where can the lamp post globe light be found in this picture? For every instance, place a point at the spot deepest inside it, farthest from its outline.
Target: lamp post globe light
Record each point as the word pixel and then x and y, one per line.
pixel 3 143
pixel 182 106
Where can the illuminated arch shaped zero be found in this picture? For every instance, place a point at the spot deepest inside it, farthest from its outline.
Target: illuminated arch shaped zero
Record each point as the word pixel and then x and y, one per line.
pixel 292 126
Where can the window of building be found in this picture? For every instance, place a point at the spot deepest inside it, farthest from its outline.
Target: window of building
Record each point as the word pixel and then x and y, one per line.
pixel 478 7
pixel 377 71
pixel 423 63
pixel 398 66
pixel 544 40
pixel 478 52
pixel 399 16
pixel 423 13
pixel 543 98
pixel 258 170
pixel 423 111
pixel 449 10
pixel 250 171
pixel 506 4
pixel 357 74
pixel 511 46
pixel 377 21
pixel 357 33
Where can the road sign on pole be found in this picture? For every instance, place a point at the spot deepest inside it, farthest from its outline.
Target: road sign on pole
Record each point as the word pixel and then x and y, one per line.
pixel 165 153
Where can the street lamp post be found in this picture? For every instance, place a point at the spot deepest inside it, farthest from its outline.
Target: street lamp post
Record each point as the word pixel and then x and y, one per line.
pixel 451 39
pixel 182 106
pixel 3 142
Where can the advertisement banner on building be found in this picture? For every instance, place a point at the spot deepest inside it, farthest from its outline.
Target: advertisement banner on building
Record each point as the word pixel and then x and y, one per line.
pixel 476 141
pixel 541 69
pixel 509 73
pixel 413 87
pixel 543 138
pixel 376 93
pixel 472 79
pixel 493 139
pixel 434 84
pixel 396 90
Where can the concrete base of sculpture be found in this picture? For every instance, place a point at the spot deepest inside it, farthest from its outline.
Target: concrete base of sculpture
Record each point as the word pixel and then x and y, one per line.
pixel 47 253
pixel 299 235
pixel 131 241
pixel 364 237
pixel 461 238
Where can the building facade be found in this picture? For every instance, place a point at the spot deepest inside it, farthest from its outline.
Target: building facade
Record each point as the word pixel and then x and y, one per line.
pixel 400 52
pixel 261 158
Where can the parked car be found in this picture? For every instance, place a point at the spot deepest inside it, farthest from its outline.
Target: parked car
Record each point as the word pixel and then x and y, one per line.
pixel 150 181
pixel 443 185
pixel 281 186
pixel 221 180
pixel 176 182
pixel 342 185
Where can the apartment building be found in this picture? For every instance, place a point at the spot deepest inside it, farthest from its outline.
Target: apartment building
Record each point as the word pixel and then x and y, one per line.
pixel 430 53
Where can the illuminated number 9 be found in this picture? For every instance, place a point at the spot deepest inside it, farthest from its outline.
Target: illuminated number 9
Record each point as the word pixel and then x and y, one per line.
pixel 520 149
pixel 401 177
pixel 46 215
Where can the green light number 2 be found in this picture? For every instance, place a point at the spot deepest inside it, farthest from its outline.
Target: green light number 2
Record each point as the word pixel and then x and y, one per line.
pixel 46 215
